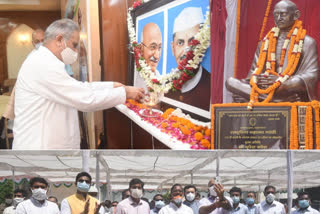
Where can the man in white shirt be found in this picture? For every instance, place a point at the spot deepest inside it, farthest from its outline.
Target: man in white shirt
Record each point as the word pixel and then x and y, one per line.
pixel 47 99
pixel 190 196
pixel 216 202
pixel 237 208
pixel 251 197
pixel 270 205
pixel 19 195
pixel 176 206
pixel 304 202
pixel 38 203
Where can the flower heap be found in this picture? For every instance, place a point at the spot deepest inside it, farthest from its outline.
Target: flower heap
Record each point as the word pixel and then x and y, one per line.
pixel 267 58
pixel 187 68
pixel 174 123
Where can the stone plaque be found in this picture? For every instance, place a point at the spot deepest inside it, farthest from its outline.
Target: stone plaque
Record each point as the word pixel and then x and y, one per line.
pixel 261 128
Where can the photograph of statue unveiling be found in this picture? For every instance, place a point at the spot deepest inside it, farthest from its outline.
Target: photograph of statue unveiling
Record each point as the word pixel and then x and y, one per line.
pixel 166 39
pixel 175 182
pixel 268 95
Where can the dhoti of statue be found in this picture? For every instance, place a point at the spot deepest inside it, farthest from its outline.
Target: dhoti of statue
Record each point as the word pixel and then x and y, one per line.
pixel 285 65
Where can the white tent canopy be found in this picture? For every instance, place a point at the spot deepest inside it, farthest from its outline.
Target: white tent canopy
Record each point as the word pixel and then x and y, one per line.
pixel 249 170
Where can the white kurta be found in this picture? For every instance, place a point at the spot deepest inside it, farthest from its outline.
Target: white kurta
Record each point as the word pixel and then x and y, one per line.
pixel 47 100
pixel 32 206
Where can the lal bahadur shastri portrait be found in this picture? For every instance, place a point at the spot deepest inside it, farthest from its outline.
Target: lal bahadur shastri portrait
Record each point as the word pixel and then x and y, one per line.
pixel 196 91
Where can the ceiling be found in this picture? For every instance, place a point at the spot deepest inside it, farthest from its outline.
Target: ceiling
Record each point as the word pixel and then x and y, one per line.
pixel 30 5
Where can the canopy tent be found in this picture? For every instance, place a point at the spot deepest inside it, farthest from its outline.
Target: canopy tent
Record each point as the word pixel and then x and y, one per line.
pixel 249 170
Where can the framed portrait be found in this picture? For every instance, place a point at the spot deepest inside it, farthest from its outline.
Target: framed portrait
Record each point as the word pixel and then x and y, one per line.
pixel 164 29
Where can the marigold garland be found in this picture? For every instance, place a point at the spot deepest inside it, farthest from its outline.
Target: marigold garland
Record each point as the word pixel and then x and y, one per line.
pixel 294 131
pixel 237 39
pixel 265 19
pixel 267 59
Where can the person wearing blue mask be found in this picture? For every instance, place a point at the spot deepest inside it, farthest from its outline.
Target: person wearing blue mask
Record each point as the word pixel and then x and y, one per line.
pixel 237 208
pixel 251 197
pixel 304 202
pixel 190 196
pixel 81 202
pixel 158 203
pixel 270 205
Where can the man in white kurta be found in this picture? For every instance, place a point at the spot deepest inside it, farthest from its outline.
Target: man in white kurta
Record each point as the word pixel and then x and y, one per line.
pixel 47 99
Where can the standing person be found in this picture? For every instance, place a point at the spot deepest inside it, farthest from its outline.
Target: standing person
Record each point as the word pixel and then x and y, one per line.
pixel 216 202
pixel 125 194
pixel 176 206
pixel 270 205
pixel 37 38
pixel 304 202
pixel 190 192
pixel 133 204
pixel 251 197
pixel 18 197
pixel 158 202
pixel 47 99
pixel 38 203
pixel 237 208
pixel 81 201
pixel 53 199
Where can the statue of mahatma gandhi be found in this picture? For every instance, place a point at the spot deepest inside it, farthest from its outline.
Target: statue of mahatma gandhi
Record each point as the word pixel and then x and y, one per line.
pixel 301 84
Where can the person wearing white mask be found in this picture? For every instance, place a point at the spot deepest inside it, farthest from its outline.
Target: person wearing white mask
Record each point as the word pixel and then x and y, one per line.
pixel 38 203
pixel 190 192
pixel 176 206
pixel 237 208
pixel 47 99
pixel 37 38
pixel 270 205
pixel 134 204
pixel 19 195
pixel 158 203
pixel 216 202
pixel 81 201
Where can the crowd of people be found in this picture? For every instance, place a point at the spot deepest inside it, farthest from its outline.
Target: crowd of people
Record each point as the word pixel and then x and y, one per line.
pixel 181 200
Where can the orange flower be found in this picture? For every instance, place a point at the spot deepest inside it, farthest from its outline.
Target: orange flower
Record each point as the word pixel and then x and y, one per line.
pixel 173 118
pixel 175 125
pixel 207 132
pixel 197 128
pixel 205 143
pixel 185 130
pixel 164 125
pixel 198 136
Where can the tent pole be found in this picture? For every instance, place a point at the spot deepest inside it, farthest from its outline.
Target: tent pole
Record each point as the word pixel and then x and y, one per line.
pixel 13 178
pixel 85 160
pixel 218 165
pixel 191 178
pixel 109 191
pixel 290 178
pixel 98 174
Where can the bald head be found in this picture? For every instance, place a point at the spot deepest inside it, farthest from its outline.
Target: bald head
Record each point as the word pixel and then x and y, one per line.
pixel 151 45
pixel 37 36
pixel 285 14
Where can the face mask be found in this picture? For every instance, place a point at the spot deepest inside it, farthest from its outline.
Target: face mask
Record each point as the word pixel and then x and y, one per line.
pixel 177 200
pixel 39 194
pixel 136 193
pixel 37 46
pixel 236 199
pixel 250 201
pixel 270 198
pixel 68 55
pixel 16 201
pixel 212 191
pixel 190 196
pixel 83 187
pixel 159 204
pixel 303 204
pixel 8 201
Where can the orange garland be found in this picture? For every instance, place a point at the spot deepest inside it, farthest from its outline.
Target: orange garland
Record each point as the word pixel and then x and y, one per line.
pixel 294 133
pixel 294 141
pixel 237 39
pixel 265 19
pixel 316 107
pixel 267 57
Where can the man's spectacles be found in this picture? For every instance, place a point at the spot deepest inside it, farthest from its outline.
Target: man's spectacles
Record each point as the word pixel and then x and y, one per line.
pixel 153 47
pixel 37 187
pixel 81 181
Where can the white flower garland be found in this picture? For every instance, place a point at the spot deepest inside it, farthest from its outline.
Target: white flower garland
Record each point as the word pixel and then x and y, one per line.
pixel 165 82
